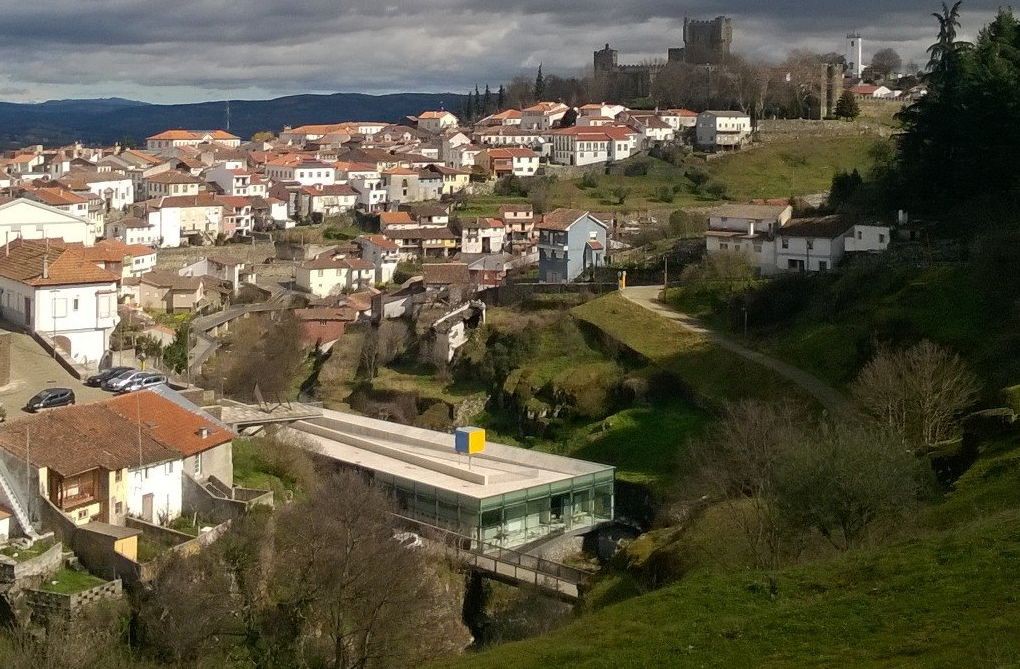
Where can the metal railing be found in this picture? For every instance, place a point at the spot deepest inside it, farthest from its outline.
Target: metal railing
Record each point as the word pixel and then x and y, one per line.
pixel 500 560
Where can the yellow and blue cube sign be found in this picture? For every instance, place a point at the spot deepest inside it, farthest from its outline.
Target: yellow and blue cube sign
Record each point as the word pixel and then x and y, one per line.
pixel 469 440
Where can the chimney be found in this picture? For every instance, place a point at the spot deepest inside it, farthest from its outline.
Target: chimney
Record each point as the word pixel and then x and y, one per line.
pixel 203 432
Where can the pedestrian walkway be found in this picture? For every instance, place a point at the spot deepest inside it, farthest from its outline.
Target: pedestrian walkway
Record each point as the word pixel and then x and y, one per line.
pixel 827 396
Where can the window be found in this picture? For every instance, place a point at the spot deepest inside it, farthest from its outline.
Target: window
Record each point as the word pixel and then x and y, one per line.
pixel 860 235
pixel 198 464
pixel 118 475
pixel 724 246
pixel 810 244
pixel 822 266
pixel 74 304
pixel 786 243
pixel 59 307
pixel 118 508
pixel 881 239
pixel 169 468
pixel 83 514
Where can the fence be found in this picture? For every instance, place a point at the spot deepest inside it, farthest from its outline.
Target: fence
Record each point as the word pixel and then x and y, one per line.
pixel 500 561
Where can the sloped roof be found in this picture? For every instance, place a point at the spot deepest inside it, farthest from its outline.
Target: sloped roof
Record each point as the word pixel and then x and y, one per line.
pixel 445 274
pixel 28 260
pixel 170 423
pixel 114 250
pixel 560 219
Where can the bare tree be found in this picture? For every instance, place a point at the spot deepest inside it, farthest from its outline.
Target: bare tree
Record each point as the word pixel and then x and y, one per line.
pixel 737 466
pixel 321 583
pixel 917 393
pixel 886 62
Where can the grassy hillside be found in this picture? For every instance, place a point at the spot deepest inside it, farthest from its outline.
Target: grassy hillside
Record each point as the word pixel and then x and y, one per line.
pixel 944 595
pixel 838 321
pixel 712 373
pixel 791 167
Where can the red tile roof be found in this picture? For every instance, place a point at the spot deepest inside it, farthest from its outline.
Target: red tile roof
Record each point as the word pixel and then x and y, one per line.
pixel 193 134
pixel 28 260
pixel 445 274
pixel 171 424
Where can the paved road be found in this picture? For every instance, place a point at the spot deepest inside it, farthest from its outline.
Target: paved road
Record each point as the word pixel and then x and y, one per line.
pixel 32 370
pixel 829 397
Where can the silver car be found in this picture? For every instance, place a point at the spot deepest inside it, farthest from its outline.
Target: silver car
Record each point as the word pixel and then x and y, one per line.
pixel 118 382
pixel 143 382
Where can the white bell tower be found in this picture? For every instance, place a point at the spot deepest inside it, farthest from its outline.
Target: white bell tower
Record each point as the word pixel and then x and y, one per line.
pixel 854 54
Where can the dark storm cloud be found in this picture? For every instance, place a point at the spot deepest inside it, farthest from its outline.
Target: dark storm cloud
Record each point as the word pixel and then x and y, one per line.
pixel 203 48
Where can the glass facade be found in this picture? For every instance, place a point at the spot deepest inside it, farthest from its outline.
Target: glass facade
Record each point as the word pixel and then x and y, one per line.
pixel 514 518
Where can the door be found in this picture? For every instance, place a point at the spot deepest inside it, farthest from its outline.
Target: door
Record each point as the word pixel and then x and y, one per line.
pixel 28 311
pixel 147 508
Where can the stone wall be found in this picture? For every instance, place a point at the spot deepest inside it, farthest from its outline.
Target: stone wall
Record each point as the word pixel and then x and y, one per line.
pixel 12 571
pixel 197 498
pixel 174 259
pixel 515 293
pixel 48 604
pixel 5 358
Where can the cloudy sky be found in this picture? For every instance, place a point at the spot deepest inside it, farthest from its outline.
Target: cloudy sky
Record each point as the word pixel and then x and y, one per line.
pixel 191 50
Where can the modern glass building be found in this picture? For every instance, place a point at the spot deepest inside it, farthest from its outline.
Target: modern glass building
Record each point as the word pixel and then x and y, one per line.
pixel 505 496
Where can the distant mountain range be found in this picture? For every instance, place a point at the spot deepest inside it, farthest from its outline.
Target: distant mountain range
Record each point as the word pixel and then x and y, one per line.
pixel 108 120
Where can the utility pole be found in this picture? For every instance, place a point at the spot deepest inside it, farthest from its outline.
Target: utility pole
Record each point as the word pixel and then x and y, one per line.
pixel 28 474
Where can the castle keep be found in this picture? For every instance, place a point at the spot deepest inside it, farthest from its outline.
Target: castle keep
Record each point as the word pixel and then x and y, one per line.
pixel 705 43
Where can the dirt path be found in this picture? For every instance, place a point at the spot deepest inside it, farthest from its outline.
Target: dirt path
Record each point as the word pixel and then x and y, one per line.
pixel 829 397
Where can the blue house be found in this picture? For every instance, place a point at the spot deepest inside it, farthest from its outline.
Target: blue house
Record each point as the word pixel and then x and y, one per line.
pixel 570 241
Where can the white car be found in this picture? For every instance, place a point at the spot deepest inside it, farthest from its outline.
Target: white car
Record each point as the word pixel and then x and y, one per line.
pixel 142 382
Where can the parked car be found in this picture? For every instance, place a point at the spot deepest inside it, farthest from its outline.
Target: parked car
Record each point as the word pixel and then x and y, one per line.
pixel 142 382
pixel 117 382
pixel 50 398
pixel 96 380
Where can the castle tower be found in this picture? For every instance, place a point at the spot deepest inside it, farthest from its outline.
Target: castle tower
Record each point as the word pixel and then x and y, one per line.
pixel 854 54
pixel 606 60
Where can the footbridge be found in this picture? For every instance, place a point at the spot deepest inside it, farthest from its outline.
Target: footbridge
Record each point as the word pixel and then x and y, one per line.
pixel 500 563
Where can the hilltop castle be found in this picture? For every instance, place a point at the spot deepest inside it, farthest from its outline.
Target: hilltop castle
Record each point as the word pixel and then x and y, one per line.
pixel 705 43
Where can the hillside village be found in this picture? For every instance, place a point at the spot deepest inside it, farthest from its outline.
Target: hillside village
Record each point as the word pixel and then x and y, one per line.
pixel 556 384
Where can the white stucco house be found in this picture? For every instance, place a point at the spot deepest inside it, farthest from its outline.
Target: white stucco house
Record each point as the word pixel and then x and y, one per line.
pixel 27 219
pixel 590 145
pixel 436 121
pixel 327 276
pixel 722 130
pixel 815 244
pixel 53 289
pixel 382 253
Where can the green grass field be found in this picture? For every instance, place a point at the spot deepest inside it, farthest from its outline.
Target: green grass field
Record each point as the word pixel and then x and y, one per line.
pixel 943 594
pixel 788 168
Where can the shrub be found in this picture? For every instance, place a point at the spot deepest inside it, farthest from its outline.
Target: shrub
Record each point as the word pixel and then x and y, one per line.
pixel 717 189
pixel 697 175
pixel 664 194
pixel 636 169
pixel 588 180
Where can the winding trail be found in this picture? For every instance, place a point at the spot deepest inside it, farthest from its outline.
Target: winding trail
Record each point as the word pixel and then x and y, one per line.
pixel 827 396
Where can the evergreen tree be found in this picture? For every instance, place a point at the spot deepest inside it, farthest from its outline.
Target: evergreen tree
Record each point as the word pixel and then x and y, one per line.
pixel 477 111
pixel 501 98
pixel 847 107
pixel 539 85
pixel 469 108
pixel 487 102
